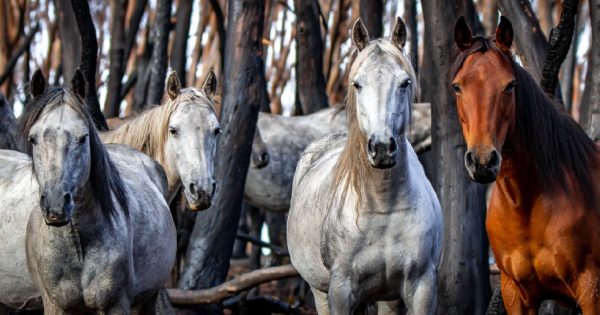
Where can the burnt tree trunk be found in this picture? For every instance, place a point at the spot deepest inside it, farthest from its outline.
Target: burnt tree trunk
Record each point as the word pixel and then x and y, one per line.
pixel 310 80
pixel 590 102
pixel 89 55
pixel 464 265
pixel 243 83
pixel 159 61
pixel 70 43
pixel 117 57
pixel 371 13
pixel 410 17
pixel 569 66
pixel 182 30
pixel 220 28
pixel 134 26
pixel 560 43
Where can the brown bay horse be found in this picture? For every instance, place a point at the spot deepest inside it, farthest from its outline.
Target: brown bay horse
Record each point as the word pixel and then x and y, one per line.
pixel 543 219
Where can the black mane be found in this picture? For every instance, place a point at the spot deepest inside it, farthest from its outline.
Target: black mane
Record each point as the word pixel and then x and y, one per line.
pixel 104 176
pixel 557 144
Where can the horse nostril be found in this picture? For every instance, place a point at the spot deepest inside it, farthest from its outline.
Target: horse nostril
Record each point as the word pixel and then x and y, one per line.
pixel 67 198
pixel 265 157
pixel 393 146
pixel 370 146
pixel 214 187
pixel 193 189
pixel 469 158
pixel 494 158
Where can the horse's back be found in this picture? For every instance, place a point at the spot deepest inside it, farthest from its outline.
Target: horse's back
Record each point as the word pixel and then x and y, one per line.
pixel 153 230
pixel 307 210
pixel 19 196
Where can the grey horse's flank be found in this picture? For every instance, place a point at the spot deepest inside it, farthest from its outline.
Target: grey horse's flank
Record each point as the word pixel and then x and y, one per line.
pixel 375 222
pixel 181 135
pixel 99 237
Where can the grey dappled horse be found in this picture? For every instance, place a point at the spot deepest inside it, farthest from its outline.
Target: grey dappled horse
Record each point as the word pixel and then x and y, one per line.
pixel 365 224
pixel 100 237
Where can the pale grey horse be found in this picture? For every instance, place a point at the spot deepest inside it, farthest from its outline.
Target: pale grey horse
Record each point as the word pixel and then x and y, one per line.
pixel 365 224
pixel 100 237
pixel 181 135
pixel 283 138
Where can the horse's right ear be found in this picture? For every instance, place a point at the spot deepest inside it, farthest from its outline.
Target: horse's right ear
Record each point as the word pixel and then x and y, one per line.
pixel 78 83
pixel 38 84
pixel 504 34
pixel 210 83
pixel 360 36
pixel 462 34
pixel 173 85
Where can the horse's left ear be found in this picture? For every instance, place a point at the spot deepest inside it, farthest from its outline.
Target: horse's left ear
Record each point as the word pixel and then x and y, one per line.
pixel 78 83
pixel 462 34
pixel 360 36
pixel 38 84
pixel 210 83
pixel 173 85
pixel 399 33
pixel 504 34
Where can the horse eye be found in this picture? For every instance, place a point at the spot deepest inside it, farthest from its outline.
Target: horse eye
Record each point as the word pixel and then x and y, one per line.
pixel 356 85
pixel 456 88
pixel 510 87
pixel 217 131
pixel 32 140
pixel 173 131
pixel 83 139
pixel 405 84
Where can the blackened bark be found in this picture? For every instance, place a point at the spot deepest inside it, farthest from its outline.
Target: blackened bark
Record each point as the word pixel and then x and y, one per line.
pixel 143 75
pixel 159 61
pixel 560 43
pixel 243 82
pixel 117 57
pixel 70 43
pixel 89 53
pixel 310 81
pixel 182 30
pixel 220 28
pixel 591 100
pixel 464 265
pixel 568 75
pixel 531 42
pixel 410 17
pixel 371 13
pixel 22 49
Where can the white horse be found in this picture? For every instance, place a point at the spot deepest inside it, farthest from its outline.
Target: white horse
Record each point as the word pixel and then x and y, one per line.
pixel 181 135
pixel 269 186
pixel 365 223
pixel 100 236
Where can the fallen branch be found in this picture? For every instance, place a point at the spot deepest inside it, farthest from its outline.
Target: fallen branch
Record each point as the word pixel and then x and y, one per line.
pixel 13 60
pixel 276 249
pixel 231 287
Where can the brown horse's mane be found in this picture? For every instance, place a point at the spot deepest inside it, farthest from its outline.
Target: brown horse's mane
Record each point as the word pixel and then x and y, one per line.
pixel 104 177
pixel 557 144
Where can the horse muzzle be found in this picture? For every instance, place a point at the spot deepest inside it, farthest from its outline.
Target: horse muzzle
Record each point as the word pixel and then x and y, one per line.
pixel 260 160
pixel 483 164
pixel 382 153
pixel 57 211
pixel 198 198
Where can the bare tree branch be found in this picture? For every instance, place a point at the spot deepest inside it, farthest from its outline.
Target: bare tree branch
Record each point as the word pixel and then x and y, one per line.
pixel 10 65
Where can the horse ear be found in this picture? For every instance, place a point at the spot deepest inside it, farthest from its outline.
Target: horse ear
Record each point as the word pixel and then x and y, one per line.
pixel 210 83
pixel 78 83
pixel 360 36
pixel 462 34
pixel 504 34
pixel 173 85
pixel 399 33
pixel 38 84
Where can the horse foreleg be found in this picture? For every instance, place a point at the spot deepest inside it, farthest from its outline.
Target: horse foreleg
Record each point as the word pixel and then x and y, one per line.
pixel 122 307
pixel 389 307
pixel 513 302
pixel 420 296
pixel 341 300
pixel 320 301
pixel 587 290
